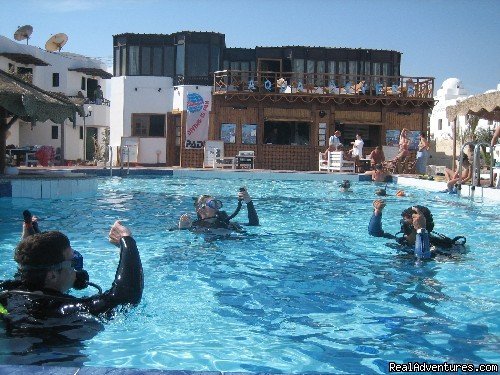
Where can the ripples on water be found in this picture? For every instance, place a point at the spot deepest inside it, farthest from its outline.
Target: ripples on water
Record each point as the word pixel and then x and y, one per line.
pixel 308 290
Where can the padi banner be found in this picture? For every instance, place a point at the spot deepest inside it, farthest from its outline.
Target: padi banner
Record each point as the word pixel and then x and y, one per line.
pixel 198 108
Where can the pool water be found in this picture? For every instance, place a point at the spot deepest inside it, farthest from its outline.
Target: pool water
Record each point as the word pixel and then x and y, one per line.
pixel 306 291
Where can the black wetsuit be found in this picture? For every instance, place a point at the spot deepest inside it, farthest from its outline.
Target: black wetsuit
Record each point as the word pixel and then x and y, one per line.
pixel 222 220
pixel 31 309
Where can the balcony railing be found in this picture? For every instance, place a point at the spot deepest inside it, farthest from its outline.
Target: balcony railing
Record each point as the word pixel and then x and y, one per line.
pixel 92 101
pixel 322 84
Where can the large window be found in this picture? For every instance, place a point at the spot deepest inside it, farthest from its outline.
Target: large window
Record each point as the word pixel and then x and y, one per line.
pixel 146 61
pixel 214 58
pixel 293 133
pixel 179 62
pixel 197 55
pixel 169 61
pixel 55 79
pixel 133 61
pixel 298 69
pixel 157 52
pixel 146 125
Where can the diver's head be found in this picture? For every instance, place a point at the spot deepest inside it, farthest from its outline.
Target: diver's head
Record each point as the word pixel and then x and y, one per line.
pixel 429 220
pixel 345 185
pixel 381 192
pixel 207 206
pixel 46 260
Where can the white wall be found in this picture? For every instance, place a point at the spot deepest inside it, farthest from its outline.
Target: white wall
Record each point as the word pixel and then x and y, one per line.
pixel 149 95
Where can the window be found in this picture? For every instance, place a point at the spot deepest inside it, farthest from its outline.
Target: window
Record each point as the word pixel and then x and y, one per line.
pixel 123 61
pixel 55 132
pixel 145 125
pixel 249 134
pixel 133 61
pixel 320 69
pixel 146 61
pixel 440 124
pixel 169 62
pixel 55 79
pixel 83 85
pixel 310 71
pixel 298 69
pixel 342 70
pixel 353 71
pixel 287 133
pixel 179 63
pixel 81 132
pixel 228 133
pixel 214 58
pixel 117 62
pixel 157 52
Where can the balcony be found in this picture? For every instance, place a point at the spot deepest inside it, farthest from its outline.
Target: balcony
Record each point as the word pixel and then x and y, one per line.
pixel 322 85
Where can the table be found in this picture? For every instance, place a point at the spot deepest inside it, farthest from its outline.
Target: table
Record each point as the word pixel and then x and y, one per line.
pixel 28 153
pixel 245 160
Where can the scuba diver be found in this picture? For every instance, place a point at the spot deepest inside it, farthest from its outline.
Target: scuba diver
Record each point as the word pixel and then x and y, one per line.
pixel 345 186
pixel 211 220
pixel 37 298
pixel 440 241
pixel 421 245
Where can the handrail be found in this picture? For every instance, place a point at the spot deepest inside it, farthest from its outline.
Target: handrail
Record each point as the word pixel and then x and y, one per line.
pixel 476 164
pixel 322 83
pixel 110 161
pixel 125 149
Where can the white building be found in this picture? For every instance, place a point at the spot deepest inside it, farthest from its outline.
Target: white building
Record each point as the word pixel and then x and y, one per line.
pixel 63 72
pixel 441 130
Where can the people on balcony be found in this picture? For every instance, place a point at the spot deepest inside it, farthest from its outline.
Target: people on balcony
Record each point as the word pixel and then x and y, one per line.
pixel 98 95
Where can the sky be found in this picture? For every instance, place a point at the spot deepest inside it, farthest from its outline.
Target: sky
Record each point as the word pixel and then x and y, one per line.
pixel 438 38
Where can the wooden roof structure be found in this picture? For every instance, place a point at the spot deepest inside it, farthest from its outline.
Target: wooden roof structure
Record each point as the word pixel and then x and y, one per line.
pixel 485 106
pixel 93 72
pixel 20 99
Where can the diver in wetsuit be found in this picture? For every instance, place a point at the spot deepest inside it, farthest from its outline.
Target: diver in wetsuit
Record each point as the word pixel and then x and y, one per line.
pixel 48 268
pixel 210 219
pixel 419 221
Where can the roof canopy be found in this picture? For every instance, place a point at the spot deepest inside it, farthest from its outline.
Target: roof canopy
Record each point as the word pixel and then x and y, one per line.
pixel 93 72
pixel 26 100
pixel 486 106
pixel 24 58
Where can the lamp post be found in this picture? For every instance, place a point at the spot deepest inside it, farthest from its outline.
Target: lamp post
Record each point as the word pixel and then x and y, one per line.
pixel 89 109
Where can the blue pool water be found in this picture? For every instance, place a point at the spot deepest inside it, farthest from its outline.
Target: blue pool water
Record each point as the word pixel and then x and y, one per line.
pixel 306 291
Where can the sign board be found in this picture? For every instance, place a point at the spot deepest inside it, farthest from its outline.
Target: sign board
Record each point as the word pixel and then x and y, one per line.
pixel 130 145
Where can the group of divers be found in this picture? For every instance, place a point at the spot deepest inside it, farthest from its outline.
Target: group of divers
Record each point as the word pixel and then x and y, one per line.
pixel 48 267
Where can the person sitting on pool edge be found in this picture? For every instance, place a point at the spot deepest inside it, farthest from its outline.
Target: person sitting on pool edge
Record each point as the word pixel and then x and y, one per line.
pixel 378 174
pixel 48 268
pixel 209 215
pixel 421 239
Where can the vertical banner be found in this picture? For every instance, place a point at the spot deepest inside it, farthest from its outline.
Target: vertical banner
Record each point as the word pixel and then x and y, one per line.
pixel 197 123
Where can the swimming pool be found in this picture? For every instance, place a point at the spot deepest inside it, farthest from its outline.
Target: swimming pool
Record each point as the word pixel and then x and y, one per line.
pixel 306 291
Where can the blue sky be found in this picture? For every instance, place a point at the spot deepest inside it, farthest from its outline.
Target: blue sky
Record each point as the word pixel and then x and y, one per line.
pixel 438 38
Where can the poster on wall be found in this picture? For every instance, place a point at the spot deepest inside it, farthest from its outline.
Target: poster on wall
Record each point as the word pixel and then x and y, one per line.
pixel 228 133
pixel 392 137
pixel 414 136
pixel 198 108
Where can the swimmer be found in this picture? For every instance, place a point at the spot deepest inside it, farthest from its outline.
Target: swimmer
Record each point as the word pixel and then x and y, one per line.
pixel 345 186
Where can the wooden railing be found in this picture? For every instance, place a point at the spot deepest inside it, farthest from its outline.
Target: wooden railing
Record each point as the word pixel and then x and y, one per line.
pixel 322 83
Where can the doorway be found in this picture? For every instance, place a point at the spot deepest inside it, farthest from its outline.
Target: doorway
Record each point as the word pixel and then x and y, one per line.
pixel 174 127
pixel 91 134
pixel 91 86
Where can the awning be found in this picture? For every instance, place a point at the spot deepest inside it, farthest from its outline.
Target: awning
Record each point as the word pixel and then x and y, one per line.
pixel 93 72
pixel 485 106
pixel 23 58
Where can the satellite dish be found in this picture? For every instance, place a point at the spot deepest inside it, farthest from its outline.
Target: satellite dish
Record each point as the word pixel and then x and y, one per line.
pixel 23 32
pixel 56 42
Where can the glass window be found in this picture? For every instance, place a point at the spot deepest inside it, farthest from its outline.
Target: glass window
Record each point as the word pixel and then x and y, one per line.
pixel 116 62
pixel 228 133
pixel 55 132
pixel 83 84
pixel 157 126
pixel 235 65
pixel 320 69
pixel 377 71
pixel 146 61
pixel 133 61
pixel 245 67
pixel 331 69
pixel 342 71
pixel 367 68
pixel 225 65
pixel 123 61
pixel 144 125
pixel 298 69
pixel 386 69
pixel 197 60
pixel 168 62
pixel 81 132
pixel 249 134
pixel 55 79
pixel 214 58
pixel 157 52
pixel 310 71
pixel 353 71
pixel 179 62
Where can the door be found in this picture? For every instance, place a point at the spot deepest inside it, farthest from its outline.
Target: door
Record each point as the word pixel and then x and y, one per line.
pixel 91 86
pixel 91 134
pixel 173 151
